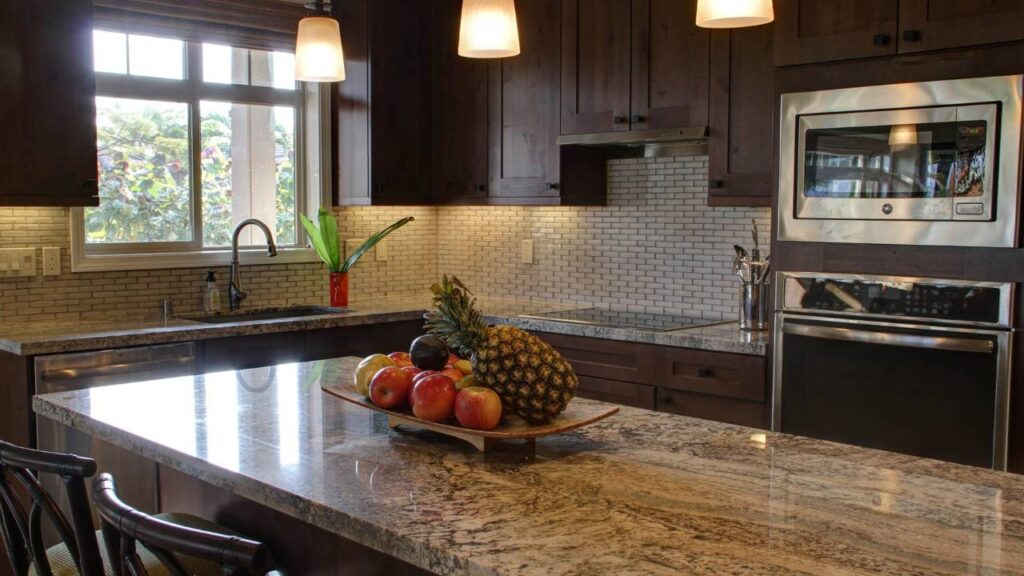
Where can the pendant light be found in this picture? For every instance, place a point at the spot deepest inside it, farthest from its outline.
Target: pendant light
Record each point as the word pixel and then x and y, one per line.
pixel 318 53
pixel 488 29
pixel 734 13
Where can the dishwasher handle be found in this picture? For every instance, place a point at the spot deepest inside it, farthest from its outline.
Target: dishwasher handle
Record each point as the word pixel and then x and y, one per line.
pixel 63 374
pixel 950 343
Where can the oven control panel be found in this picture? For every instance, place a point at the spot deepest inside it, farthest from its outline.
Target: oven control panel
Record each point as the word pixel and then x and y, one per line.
pixel 914 298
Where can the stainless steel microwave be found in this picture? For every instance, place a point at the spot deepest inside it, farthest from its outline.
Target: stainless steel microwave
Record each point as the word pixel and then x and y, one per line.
pixel 933 163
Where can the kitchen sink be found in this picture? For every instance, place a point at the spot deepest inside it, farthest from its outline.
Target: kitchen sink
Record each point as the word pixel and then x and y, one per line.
pixel 282 313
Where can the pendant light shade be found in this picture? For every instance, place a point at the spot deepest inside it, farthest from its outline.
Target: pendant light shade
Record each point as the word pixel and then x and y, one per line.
pixel 318 53
pixel 903 135
pixel 734 13
pixel 488 29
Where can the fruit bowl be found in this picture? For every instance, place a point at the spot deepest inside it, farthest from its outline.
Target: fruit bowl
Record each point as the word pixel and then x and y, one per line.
pixel 511 427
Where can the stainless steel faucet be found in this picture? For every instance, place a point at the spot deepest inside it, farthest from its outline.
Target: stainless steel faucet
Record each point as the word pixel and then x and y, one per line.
pixel 235 292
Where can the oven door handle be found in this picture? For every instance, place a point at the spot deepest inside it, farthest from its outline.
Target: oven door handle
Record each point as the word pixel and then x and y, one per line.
pixel 951 343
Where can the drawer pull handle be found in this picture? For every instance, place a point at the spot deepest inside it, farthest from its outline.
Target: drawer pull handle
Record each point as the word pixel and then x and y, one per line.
pixel 705 373
pixel 881 39
pixel 911 35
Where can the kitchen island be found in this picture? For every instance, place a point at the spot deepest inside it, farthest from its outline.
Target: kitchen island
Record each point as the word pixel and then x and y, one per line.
pixel 639 493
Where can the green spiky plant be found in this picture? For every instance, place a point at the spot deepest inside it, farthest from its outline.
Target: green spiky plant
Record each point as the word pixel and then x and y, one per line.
pixel 327 245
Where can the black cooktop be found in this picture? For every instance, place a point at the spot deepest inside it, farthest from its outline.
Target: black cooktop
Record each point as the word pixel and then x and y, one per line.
pixel 624 319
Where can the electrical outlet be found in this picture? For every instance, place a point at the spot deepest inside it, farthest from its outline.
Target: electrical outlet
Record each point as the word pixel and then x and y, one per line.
pixel 351 245
pixel 380 251
pixel 18 262
pixel 51 261
pixel 527 253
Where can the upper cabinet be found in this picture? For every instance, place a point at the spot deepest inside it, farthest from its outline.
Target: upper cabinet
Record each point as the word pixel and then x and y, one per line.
pixel 48 104
pixel 632 65
pixel 383 108
pixel 809 31
pixel 937 24
pixel 740 132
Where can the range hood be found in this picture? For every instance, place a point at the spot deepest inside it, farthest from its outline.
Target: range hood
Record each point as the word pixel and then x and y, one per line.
pixel 686 141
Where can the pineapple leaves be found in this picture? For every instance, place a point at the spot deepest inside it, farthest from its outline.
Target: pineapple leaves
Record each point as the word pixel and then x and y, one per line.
pixel 327 245
pixel 455 318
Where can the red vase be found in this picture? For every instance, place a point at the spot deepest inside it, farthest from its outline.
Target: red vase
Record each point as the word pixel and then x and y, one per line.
pixel 339 289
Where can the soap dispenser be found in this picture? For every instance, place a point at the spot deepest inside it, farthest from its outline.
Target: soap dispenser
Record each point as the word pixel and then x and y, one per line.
pixel 211 294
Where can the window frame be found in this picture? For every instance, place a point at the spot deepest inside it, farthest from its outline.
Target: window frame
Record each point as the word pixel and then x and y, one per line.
pixel 312 171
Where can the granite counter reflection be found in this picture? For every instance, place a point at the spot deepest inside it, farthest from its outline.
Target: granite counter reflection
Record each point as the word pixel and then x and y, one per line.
pixel 639 493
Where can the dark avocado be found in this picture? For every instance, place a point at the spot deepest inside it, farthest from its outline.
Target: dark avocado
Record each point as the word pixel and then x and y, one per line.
pixel 429 353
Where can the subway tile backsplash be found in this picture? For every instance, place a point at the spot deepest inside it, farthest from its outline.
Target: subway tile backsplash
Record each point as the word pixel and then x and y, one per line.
pixel 655 247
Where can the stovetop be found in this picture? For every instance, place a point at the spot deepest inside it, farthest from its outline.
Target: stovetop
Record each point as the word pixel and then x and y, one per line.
pixel 624 319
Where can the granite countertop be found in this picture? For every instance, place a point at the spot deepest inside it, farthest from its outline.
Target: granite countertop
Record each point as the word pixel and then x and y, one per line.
pixel 639 493
pixel 30 339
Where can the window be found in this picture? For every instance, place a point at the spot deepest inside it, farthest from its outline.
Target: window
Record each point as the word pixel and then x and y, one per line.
pixel 193 138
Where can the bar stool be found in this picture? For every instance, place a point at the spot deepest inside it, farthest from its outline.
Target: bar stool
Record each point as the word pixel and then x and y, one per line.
pixel 82 551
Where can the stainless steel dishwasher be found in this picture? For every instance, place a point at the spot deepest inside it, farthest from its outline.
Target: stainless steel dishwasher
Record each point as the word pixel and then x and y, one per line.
pixel 137 476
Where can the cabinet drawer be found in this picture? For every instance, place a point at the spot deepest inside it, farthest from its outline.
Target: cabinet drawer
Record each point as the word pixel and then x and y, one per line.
pixel 607 359
pixel 715 373
pixel 625 393
pixel 718 408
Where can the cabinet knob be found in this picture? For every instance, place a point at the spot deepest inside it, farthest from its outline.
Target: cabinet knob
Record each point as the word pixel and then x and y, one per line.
pixel 619 119
pixel 881 39
pixel 551 186
pixel 705 373
pixel 637 118
pixel 911 35
pixel 481 187
pixel 715 183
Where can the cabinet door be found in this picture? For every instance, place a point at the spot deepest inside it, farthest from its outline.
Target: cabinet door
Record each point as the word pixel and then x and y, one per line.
pixel 740 133
pixel 47 104
pixel 460 112
pixel 400 91
pixel 669 65
pixel 625 393
pixel 524 108
pixel 809 31
pixel 595 65
pixel 938 24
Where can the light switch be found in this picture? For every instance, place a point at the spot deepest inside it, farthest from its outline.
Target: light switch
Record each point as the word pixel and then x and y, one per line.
pixel 51 261
pixel 380 251
pixel 18 262
pixel 527 252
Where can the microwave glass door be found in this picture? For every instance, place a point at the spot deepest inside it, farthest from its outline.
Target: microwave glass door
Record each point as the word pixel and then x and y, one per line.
pixel 912 164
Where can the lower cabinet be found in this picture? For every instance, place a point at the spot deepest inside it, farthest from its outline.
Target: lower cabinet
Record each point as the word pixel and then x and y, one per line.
pixel 719 386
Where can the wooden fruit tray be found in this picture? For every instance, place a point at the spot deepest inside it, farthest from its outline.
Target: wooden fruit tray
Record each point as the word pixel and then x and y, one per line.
pixel 511 427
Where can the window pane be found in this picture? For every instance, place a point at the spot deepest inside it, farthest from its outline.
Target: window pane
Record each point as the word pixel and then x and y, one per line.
pixel 110 52
pixel 225 65
pixel 144 173
pixel 248 168
pixel 156 57
pixel 273 69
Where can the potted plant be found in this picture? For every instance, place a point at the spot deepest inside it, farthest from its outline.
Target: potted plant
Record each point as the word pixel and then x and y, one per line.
pixel 328 246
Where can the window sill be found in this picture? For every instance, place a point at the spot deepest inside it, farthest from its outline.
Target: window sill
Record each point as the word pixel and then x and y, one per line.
pixel 160 261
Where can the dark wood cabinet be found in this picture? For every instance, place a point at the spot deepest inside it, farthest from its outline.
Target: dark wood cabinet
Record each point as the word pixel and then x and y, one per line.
pixel 670 56
pixel 939 24
pixel 808 31
pixel 524 111
pixel 383 131
pixel 596 39
pixel 741 139
pixel 47 104
pixel 616 392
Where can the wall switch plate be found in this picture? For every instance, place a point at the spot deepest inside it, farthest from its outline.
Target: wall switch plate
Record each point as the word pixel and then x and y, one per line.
pixel 351 245
pixel 380 251
pixel 51 261
pixel 18 262
pixel 527 252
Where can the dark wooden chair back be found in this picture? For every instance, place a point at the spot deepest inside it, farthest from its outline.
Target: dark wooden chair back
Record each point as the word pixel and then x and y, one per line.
pixel 23 532
pixel 124 527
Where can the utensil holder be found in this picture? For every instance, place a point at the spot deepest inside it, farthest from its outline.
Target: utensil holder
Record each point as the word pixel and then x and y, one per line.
pixel 753 306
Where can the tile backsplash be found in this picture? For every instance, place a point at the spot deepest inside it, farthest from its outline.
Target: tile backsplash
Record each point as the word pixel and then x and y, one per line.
pixel 655 247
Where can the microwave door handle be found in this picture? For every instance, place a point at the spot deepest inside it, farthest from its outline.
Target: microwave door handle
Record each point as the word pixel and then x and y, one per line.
pixel 950 343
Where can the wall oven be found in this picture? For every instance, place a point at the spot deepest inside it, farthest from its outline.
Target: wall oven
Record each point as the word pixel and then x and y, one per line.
pixel 925 163
pixel 910 365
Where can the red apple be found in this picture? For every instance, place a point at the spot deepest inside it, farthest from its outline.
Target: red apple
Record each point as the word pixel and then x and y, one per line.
pixel 454 373
pixel 423 374
pixel 433 398
pixel 478 408
pixel 452 358
pixel 390 387
pixel 411 370
pixel 401 359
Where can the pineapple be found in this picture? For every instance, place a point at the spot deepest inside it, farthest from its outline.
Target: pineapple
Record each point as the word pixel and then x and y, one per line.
pixel 533 380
